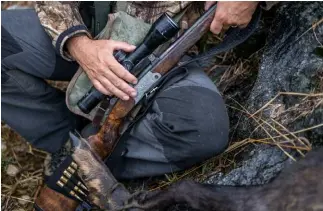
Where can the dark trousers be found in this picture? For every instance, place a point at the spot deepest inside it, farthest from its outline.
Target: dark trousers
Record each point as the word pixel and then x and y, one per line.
pixel 30 106
pixel 186 124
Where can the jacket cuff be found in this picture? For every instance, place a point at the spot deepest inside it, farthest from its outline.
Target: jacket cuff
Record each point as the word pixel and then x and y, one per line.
pixel 64 36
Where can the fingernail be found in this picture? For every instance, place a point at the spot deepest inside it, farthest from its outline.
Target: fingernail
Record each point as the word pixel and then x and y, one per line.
pixel 133 94
pixel 125 97
pixel 134 81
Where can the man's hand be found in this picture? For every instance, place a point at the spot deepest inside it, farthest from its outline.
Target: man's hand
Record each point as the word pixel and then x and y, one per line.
pixel 106 74
pixel 231 13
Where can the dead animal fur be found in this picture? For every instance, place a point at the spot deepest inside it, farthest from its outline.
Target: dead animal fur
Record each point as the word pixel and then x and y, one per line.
pixel 299 187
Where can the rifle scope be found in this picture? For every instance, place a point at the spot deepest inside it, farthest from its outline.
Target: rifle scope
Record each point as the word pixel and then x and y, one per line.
pixel 161 31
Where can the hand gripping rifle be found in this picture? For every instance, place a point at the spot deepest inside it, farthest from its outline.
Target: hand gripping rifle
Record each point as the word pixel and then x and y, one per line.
pixel 104 142
pixel 160 32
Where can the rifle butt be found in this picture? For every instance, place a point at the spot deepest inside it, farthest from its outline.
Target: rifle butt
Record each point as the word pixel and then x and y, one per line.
pixel 50 200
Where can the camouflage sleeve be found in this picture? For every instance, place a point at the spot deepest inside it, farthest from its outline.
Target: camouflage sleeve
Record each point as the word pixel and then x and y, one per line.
pixel 61 20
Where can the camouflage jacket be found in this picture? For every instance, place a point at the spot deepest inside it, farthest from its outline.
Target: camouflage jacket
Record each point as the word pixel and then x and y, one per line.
pixel 62 20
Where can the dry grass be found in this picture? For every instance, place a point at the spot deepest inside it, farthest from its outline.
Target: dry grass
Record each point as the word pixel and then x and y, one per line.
pixel 19 191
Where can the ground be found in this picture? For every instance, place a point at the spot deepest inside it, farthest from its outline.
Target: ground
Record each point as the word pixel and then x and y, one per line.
pixel 234 74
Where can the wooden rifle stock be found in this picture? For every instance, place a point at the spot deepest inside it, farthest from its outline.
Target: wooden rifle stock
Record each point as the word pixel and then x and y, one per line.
pixel 50 200
pixel 106 139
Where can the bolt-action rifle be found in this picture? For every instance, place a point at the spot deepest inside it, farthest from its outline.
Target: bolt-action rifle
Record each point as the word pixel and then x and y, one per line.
pixel 106 139
pixel 104 142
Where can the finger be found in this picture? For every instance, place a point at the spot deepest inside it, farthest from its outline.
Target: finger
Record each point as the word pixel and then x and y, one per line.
pixel 208 4
pixel 121 72
pixel 231 24
pixel 216 27
pixel 101 88
pixel 233 21
pixel 120 84
pixel 117 45
pixel 217 23
pixel 114 90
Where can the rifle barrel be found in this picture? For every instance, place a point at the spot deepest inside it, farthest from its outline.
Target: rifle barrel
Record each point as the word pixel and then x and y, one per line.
pixel 175 52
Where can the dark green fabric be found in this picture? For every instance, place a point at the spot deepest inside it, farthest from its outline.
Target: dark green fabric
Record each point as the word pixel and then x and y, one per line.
pixel 101 11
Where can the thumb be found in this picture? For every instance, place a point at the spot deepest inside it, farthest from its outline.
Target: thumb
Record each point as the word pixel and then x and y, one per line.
pixel 216 25
pixel 208 4
pixel 117 45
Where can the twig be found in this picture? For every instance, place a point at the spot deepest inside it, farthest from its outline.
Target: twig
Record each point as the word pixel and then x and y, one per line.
pixel 286 93
pixel 14 197
pixel 295 132
pixel 317 39
pixel 246 111
pixel 15 156
pixel 282 145
pixel 312 27
pixel 297 138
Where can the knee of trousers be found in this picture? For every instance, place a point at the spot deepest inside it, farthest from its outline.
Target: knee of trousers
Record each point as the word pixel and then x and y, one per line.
pixel 34 109
pixel 191 124
pixel 25 44
pixel 18 82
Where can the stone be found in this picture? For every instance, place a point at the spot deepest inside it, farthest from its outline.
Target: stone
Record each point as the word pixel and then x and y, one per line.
pixel 12 170
pixel 3 146
pixel 290 64
pixel 264 163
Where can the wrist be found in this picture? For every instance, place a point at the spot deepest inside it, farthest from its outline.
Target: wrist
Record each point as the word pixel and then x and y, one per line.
pixel 75 45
